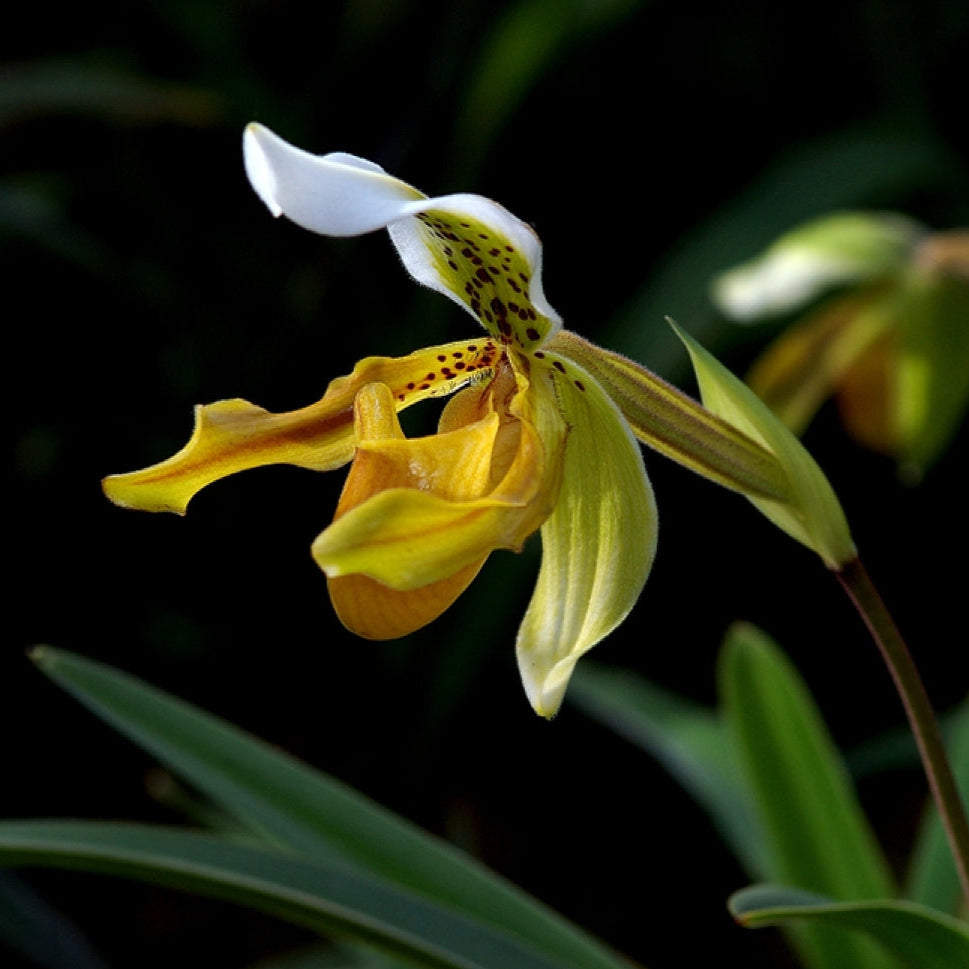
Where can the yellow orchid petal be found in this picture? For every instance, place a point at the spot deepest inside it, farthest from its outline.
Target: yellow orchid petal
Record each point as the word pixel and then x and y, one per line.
pixel 812 513
pixel 424 540
pixel 375 611
pixel 409 537
pixel 597 546
pixel 465 246
pixel 456 464
pixel 234 435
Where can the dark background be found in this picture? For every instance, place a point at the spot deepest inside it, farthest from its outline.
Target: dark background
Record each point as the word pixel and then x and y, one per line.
pixel 651 144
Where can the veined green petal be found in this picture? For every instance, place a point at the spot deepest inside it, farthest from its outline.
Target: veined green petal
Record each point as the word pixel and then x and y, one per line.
pixel 812 514
pixel 676 425
pixel 234 435
pixel 597 546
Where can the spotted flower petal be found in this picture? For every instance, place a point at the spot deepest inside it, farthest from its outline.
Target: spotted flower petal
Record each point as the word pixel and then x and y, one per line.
pixel 465 246
pixel 234 435
pixel 597 546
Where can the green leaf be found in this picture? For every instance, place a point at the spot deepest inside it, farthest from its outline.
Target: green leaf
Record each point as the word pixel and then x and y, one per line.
pixel 818 837
pixel 688 739
pixel 325 899
pixel 294 806
pixel 329 955
pixel 920 937
pixel 812 513
pixel 932 878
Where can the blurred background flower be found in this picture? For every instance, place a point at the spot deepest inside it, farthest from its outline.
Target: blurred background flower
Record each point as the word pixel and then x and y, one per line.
pixel 887 332
pixel 654 145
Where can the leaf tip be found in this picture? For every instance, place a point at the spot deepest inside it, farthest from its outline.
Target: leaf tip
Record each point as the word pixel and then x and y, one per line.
pixel 40 655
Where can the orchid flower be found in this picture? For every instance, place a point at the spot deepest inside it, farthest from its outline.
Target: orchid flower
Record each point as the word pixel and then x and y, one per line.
pixel 889 340
pixel 540 434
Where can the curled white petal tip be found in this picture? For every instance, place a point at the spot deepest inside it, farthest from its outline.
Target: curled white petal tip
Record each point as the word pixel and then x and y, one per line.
pixel 336 194
pixel 258 168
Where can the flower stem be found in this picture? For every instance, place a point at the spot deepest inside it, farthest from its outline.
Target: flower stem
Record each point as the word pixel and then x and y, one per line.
pixel 925 727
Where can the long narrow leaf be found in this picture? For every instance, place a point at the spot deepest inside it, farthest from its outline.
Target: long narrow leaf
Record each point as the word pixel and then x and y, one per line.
pixel 921 937
pixel 295 806
pixel 329 900
pixel 688 739
pixel 818 836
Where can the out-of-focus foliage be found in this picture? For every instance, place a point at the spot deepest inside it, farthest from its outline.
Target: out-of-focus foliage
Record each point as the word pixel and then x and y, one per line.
pixel 765 769
pixel 313 852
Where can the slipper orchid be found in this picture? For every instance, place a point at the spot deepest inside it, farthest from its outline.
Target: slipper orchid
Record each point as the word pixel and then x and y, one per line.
pixel 540 435
pixel 889 340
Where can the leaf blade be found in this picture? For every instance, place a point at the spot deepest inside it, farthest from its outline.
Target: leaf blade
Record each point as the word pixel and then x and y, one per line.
pixel 818 837
pixel 292 805
pixel 916 934
pixel 689 740
pixel 325 899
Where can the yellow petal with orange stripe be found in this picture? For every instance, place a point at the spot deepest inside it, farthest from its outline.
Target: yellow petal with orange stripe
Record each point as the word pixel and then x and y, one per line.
pixel 234 435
